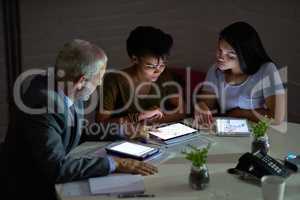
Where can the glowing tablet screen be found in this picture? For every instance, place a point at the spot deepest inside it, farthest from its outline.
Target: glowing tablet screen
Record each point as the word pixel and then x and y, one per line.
pixel 131 149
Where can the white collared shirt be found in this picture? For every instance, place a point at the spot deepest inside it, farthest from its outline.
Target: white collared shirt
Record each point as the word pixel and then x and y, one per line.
pixel 68 102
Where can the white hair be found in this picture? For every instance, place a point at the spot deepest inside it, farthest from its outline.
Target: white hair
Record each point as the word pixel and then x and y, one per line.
pixel 79 58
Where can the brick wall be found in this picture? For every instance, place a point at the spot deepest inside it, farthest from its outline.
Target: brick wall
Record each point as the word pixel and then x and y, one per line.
pixel 194 24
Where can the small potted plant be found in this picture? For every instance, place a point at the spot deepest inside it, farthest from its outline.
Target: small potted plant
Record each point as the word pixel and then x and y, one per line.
pixel 260 138
pixel 199 176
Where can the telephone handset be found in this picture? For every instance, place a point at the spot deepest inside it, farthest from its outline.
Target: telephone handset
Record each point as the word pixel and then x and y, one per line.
pixel 259 165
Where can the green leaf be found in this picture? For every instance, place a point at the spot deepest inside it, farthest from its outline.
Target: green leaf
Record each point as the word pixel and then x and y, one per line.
pixel 198 157
pixel 260 128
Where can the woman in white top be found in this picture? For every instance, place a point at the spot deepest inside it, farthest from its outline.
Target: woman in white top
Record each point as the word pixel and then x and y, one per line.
pixel 244 81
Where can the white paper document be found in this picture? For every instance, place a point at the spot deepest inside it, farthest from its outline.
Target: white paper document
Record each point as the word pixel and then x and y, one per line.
pixel 76 188
pixel 117 184
pixel 172 131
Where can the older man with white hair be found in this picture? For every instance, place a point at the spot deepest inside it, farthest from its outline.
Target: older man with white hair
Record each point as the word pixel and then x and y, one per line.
pixel 37 145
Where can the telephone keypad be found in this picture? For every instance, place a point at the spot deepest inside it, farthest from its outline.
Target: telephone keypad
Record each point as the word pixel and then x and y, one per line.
pixel 273 164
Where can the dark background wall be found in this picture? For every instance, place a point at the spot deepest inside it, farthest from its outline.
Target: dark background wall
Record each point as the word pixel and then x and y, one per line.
pixel 194 24
pixel 3 83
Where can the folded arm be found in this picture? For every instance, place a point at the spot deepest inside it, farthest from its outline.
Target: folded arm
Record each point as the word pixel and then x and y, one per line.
pixel 275 109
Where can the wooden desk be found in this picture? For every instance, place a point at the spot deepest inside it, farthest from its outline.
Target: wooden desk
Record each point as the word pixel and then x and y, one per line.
pixel 172 180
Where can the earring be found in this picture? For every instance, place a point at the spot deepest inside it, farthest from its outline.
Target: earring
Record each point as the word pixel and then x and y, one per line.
pixel 134 60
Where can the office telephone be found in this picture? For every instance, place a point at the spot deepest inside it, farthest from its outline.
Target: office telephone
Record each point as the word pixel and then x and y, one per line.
pixel 259 165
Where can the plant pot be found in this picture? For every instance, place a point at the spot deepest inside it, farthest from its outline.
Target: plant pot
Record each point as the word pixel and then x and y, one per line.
pixel 199 177
pixel 260 144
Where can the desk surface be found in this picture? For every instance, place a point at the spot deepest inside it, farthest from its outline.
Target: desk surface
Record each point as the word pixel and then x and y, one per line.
pixel 172 180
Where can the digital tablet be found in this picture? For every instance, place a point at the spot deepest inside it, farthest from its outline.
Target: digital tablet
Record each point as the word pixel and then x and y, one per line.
pixel 172 131
pixel 232 127
pixel 131 150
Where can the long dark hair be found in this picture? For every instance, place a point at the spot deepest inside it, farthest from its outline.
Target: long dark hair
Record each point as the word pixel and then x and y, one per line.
pixel 244 39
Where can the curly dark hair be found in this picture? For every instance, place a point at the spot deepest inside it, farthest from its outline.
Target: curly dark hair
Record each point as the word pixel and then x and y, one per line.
pixel 147 40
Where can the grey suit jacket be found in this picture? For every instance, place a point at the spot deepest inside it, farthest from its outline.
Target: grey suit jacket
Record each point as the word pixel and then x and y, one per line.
pixel 37 145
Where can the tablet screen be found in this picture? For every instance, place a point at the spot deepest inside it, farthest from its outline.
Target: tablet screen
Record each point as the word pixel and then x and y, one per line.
pixel 172 131
pixel 131 149
pixel 232 125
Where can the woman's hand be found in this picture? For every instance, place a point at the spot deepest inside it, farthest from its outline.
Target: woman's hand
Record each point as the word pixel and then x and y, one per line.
pixel 156 113
pixel 134 166
pixel 203 115
pixel 136 131
pixel 234 112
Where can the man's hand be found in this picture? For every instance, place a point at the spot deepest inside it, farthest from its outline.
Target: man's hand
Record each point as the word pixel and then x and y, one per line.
pixel 134 166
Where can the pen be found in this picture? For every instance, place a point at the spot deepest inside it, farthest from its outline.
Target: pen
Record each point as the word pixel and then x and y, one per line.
pixel 135 195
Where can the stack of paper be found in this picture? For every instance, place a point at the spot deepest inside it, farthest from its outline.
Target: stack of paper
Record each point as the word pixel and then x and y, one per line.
pixel 117 184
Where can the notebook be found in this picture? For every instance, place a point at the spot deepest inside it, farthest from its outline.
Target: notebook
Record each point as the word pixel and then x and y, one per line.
pixel 117 184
